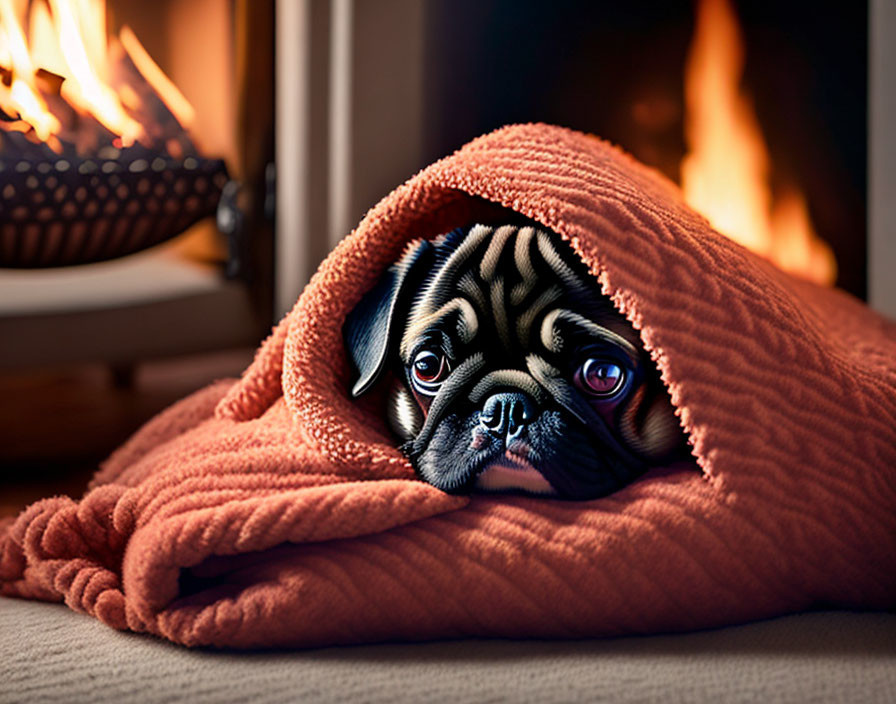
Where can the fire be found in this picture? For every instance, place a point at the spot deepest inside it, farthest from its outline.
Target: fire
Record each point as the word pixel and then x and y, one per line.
pixel 67 55
pixel 725 173
pixel 22 96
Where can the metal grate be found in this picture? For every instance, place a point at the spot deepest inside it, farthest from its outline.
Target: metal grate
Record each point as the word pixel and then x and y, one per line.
pixel 66 210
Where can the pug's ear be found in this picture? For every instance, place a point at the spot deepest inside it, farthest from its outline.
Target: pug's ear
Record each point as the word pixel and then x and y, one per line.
pixel 374 327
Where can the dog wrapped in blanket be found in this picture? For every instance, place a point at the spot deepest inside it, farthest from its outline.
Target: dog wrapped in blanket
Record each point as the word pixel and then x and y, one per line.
pixel 510 371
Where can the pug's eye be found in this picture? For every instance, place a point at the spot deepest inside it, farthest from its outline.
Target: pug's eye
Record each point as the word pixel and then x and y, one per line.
pixel 600 377
pixel 428 371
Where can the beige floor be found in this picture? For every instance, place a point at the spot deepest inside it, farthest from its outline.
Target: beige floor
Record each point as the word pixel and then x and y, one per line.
pixel 49 653
pixel 57 425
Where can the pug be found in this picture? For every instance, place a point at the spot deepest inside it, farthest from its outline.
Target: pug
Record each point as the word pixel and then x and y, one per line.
pixel 509 371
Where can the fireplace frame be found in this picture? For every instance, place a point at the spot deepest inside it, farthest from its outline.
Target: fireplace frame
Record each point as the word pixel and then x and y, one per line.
pixel 882 157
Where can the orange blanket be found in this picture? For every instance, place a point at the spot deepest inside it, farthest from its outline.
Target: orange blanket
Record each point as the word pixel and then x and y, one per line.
pixel 276 511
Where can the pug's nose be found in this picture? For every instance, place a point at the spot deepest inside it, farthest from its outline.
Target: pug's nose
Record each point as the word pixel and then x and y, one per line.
pixel 506 414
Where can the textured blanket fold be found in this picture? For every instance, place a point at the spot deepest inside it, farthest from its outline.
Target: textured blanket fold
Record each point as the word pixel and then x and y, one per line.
pixel 276 511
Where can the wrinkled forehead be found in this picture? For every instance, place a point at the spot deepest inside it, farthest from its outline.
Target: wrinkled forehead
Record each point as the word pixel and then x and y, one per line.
pixel 505 282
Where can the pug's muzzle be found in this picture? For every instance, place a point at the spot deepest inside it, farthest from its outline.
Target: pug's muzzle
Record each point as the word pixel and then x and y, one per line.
pixel 510 371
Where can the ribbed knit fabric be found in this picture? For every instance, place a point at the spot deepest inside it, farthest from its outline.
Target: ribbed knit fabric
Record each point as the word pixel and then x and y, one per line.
pixel 276 510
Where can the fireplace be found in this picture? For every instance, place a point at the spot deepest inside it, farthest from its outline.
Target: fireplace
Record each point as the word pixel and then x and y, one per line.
pixel 368 93
pixel 136 154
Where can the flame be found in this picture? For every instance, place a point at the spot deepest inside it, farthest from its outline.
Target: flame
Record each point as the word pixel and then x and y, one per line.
pixel 725 173
pixel 67 39
pixel 175 101
pixel 45 50
pixel 22 96
pixel 85 88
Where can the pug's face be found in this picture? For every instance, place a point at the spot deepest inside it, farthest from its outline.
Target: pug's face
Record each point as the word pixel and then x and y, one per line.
pixel 511 371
